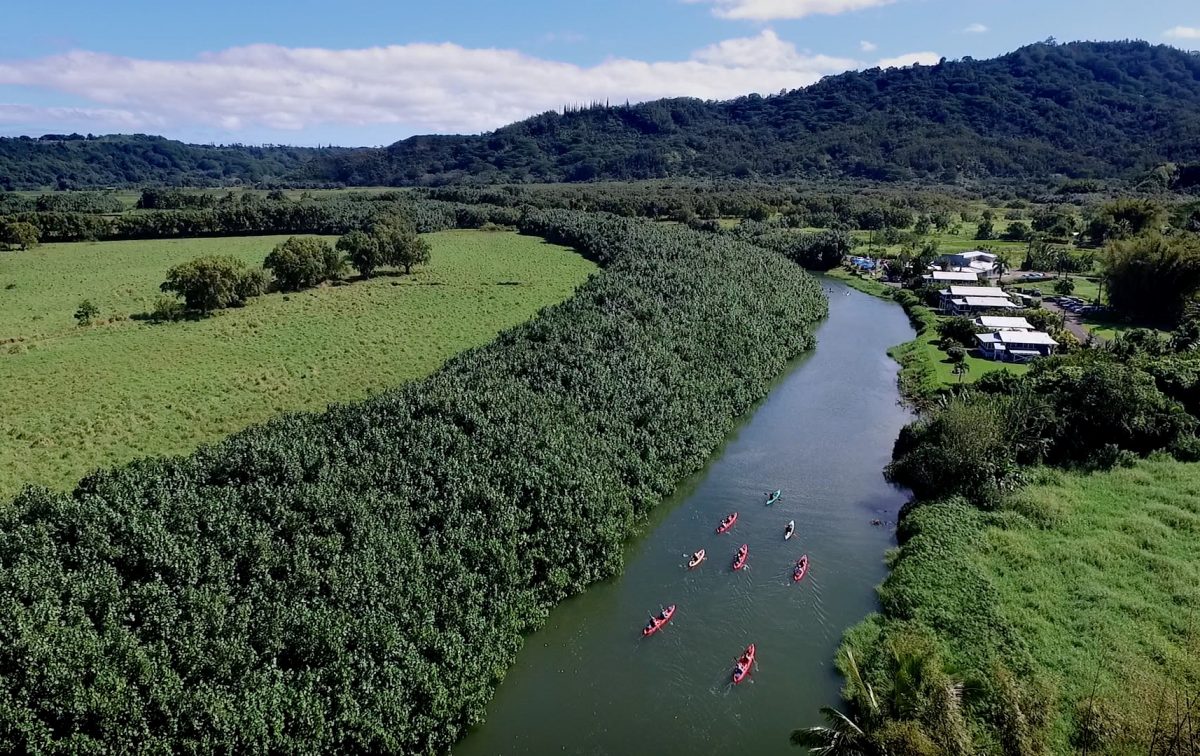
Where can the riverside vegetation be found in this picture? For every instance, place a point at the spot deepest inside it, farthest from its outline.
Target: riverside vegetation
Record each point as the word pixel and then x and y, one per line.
pixel 359 580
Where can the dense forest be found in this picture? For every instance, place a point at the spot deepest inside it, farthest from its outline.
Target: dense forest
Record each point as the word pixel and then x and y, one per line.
pixel 62 161
pixel 1087 109
pixel 358 581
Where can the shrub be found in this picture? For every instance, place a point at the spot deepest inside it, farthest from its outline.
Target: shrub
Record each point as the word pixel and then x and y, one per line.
pixel 363 251
pixel 302 262
pixel 959 329
pixel 86 312
pixel 167 309
pixel 1064 286
pixel 213 283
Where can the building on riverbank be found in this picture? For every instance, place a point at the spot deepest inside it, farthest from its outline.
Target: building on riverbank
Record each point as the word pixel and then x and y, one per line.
pixel 978 262
pixel 1015 346
pixel 996 323
pixel 950 277
pixel 971 300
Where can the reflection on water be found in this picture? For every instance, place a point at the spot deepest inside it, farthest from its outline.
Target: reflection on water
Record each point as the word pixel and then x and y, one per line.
pixel 589 683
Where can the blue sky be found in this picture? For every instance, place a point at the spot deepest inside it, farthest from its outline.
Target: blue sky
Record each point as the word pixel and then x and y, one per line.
pixel 370 72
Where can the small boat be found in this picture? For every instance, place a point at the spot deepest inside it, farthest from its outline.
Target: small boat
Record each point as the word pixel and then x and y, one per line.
pixel 773 496
pixel 656 623
pixel 801 569
pixel 744 664
pixel 740 560
pixel 697 558
pixel 789 530
pixel 727 523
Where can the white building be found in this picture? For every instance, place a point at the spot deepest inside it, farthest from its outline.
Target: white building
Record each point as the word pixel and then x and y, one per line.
pixel 977 261
pixel 967 300
pixel 952 277
pixel 1015 346
pixel 994 323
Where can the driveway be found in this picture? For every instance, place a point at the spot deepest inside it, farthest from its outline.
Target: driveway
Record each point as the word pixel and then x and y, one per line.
pixel 1072 323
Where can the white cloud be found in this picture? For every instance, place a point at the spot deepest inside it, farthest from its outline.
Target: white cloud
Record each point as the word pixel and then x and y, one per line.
pixel 1183 32
pixel 770 10
pixel 866 46
pixel 413 88
pixel 908 59
pixel 975 28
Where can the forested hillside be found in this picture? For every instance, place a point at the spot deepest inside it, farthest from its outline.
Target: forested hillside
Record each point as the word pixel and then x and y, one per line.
pixel 58 161
pixel 1089 109
pixel 1085 109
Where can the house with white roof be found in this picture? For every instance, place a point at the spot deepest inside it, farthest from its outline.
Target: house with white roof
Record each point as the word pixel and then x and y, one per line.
pixel 1015 346
pixel 995 323
pixel 976 261
pixel 966 300
pixel 952 277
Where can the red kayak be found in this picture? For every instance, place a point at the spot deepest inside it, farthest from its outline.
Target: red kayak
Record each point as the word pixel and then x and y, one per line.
pixel 656 623
pixel 727 523
pixel 743 665
pixel 801 569
pixel 740 560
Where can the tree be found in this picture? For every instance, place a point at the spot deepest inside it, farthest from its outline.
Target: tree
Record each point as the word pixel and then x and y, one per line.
pixel 363 250
pixel 961 368
pixel 986 230
pixel 1017 231
pixel 19 234
pixel 959 329
pixel 213 283
pixel 302 262
pixel 1064 286
pixel 1125 218
pixel 86 312
pixel 401 246
pixel 1153 277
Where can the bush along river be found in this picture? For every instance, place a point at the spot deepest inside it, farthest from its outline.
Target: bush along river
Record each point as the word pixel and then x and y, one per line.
pixel 588 682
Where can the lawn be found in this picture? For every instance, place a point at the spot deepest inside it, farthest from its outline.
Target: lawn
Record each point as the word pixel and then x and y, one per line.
pixel 78 398
pixel 1087 583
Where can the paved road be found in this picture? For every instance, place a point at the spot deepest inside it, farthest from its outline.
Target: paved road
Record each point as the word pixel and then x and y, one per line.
pixel 1072 323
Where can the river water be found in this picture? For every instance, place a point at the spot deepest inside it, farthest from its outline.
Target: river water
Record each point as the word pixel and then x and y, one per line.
pixel 589 683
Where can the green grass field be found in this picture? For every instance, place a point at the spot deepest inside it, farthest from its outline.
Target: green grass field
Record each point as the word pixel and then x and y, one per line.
pixel 79 398
pixel 1087 583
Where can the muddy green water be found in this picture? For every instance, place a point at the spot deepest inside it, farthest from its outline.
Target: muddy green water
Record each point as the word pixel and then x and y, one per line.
pixel 589 683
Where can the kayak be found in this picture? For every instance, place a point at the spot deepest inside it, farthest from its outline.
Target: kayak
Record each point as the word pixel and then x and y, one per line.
pixel 740 560
pixel 744 664
pixel 656 623
pixel 801 569
pixel 789 530
pixel 697 558
pixel 773 497
pixel 727 523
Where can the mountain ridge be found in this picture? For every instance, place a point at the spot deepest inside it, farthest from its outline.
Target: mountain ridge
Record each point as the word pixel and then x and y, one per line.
pixel 1080 110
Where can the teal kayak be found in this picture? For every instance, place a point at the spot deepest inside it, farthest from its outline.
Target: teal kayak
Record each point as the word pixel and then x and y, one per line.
pixel 773 497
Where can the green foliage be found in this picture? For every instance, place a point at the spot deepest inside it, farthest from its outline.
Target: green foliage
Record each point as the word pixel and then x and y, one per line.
pixel 1124 218
pixel 86 312
pixel 400 245
pixel 333 564
pixel 985 231
pixel 1153 277
pixel 363 252
pixel 1064 286
pixel 302 262
pixel 959 329
pixel 286 353
pixel 214 283
pixel 19 234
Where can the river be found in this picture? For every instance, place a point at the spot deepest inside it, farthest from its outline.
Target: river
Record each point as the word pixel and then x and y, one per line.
pixel 588 682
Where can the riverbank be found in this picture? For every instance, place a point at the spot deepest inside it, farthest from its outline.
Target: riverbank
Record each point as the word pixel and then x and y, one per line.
pixel 925 370
pixel 1073 610
pixel 588 682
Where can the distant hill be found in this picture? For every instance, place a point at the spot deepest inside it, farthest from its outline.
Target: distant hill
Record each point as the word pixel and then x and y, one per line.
pixel 1086 109
pixel 59 161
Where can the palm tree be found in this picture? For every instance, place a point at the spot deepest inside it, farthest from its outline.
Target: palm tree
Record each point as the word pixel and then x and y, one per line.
pixel 961 369
pixel 1000 267
pixel 841 737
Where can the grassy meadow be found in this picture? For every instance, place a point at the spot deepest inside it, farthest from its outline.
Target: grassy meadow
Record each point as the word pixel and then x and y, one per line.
pixel 77 398
pixel 1088 584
